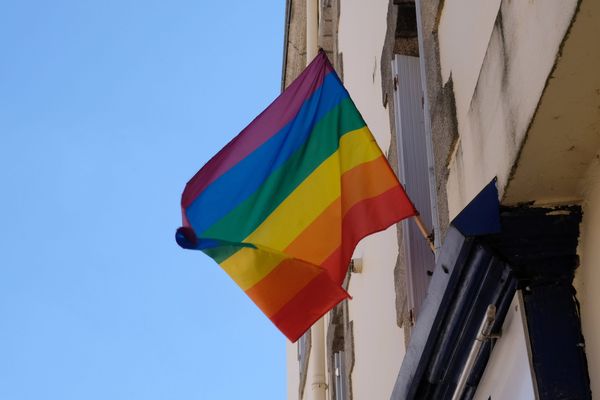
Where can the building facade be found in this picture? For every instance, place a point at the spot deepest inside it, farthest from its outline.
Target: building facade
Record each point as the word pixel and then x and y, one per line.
pixel 467 99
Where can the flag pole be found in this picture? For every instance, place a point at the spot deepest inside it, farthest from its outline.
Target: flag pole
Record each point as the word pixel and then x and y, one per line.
pixel 423 231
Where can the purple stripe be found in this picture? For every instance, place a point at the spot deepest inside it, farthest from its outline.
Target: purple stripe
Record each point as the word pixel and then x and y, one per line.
pixel 267 124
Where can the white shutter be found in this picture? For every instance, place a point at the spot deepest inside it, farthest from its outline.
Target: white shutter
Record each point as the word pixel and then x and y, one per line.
pixel 414 173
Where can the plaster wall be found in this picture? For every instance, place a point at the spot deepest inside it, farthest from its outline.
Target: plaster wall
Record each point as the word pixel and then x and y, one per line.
pixel 588 273
pixel 499 64
pixel 565 133
pixel 464 30
pixel 378 341
pixel 559 160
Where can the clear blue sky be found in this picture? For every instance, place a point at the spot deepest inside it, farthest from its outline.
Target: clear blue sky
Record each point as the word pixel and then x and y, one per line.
pixel 107 108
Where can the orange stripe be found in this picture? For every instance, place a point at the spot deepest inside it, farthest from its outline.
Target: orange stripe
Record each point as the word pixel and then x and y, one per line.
pixel 364 218
pixel 315 242
pixel 282 284
pixel 321 237
pixel 366 180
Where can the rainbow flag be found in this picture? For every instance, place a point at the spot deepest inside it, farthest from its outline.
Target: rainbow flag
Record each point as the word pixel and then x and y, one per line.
pixel 283 205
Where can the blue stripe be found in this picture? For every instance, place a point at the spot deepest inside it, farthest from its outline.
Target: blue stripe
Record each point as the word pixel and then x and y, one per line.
pixel 241 181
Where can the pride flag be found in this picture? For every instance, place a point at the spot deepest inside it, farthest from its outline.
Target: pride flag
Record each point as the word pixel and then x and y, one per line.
pixel 283 205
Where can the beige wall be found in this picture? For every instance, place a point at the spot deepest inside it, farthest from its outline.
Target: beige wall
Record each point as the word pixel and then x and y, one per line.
pixel 499 55
pixel 461 50
pixel 559 161
pixel 527 90
pixel 565 132
pixel 588 274
pixel 378 341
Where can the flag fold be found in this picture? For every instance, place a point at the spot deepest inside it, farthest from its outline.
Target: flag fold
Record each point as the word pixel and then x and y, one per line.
pixel 283 205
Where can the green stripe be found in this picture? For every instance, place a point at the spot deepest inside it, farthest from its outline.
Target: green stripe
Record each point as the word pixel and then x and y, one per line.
pixel 222 253
pixel 223 249
pixel 323 142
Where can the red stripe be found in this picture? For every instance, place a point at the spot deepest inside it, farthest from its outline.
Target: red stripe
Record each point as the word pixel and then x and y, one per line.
pixel 263 127
pixel 287 279
pixel 325 291
pixel 310 304
pixel 364 218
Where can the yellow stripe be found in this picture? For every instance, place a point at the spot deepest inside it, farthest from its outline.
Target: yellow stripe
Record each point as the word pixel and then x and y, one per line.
pixel 357 147
pixel 315 193
pixel 248 266
pixel 301 207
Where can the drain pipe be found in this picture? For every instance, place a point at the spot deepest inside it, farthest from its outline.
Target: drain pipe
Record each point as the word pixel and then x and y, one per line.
pixel 483 335
pixel 316 359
